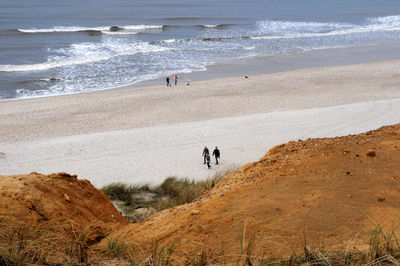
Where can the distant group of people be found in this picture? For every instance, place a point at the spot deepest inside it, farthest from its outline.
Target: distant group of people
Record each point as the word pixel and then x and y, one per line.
pixel 206 156
pixel 175 80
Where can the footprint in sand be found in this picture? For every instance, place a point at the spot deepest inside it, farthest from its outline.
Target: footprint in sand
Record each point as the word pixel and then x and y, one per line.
pixel 2 155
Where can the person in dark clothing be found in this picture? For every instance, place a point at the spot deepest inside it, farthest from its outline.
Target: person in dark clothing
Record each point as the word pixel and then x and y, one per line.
pixel 208 161
pixel 205 152
pixel 216 154
pixel 168 82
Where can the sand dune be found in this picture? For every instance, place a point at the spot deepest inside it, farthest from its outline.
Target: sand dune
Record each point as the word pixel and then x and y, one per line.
pixel 332 192
pixel 320 195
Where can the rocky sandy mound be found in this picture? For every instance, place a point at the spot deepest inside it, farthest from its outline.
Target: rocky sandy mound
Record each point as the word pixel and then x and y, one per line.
pixel 57 199
pixel 319 193
pixel 324 193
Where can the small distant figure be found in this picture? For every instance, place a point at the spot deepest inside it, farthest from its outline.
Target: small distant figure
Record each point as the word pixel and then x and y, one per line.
pixel 216 154
pixel 205 153
pixel 246 77
pixel 176 80
pixel 188 82
pixel 168 82
pixel 208 161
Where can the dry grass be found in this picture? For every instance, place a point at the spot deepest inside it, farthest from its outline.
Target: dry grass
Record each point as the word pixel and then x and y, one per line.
pixel 382 242
pixel 138 202
pixel 22 244
pixel 46 243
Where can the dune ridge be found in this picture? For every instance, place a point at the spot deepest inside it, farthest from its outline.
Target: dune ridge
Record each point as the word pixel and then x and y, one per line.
pixel 329 191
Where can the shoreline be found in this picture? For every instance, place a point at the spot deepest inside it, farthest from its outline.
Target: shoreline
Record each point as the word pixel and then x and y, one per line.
pixel 318 58
pixel 259 65
pixel 143 135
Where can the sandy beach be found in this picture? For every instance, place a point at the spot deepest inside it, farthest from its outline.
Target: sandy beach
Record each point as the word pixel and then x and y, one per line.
pixel 143 135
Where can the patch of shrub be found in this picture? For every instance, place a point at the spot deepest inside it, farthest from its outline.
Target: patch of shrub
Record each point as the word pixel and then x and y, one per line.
pixel 172 192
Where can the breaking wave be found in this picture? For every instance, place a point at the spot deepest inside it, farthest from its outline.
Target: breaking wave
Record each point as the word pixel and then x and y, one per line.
pixel 108 29
pixel 294 30
pixel 120 32
pixel 84 53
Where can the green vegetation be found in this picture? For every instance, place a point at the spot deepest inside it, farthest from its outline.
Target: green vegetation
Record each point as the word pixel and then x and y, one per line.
pixel 138 202
pixel 117 246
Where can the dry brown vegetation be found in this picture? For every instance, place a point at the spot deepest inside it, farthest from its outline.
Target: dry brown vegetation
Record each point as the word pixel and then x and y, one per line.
pixel 52 218
pixel 329 193
pixel 332 201
pixel 137 202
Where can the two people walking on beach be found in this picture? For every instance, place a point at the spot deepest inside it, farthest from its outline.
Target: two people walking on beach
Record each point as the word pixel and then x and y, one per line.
pixel 175 80
pixel 206 156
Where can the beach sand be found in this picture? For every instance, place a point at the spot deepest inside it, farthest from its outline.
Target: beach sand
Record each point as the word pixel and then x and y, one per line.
pixel 143 135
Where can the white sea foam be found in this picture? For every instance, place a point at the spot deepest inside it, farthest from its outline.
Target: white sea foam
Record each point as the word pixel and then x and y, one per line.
pixel 50 64
pixel 210 26
pixel 295 30
pixel 62 89
pixel 194 54
pixel 83 53
pixel 142 27
pixel 63 29
pixel 169 41
pixel 119 32
pixel 390 21
pixel 332 33
pixel 79 28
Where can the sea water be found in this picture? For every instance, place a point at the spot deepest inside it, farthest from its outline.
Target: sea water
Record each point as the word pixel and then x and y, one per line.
pixel 52 47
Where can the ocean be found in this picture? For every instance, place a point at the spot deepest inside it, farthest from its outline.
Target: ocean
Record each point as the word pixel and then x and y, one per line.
pixel 52 47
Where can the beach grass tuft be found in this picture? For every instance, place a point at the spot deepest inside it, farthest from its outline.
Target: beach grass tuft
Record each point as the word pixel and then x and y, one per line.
pixel 137 202
pixel 117 246
pixel 22 244
pixel 45 243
